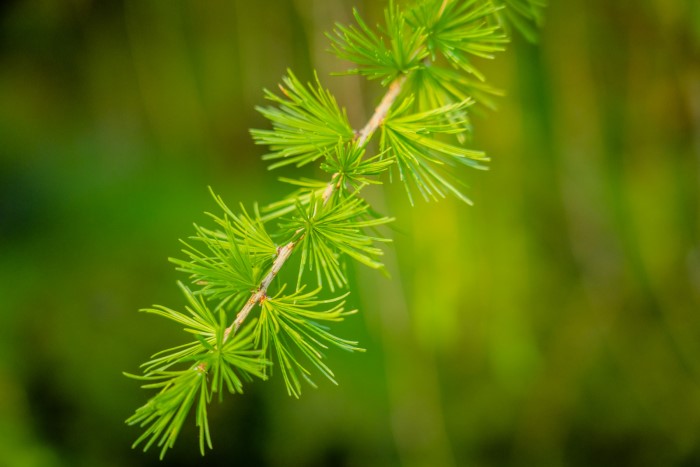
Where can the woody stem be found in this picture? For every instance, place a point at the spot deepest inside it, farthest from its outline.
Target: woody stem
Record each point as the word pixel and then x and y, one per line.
pixel 261 293
pixel 374 122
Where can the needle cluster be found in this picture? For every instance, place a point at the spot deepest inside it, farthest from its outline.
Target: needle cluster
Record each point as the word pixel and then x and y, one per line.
pixel 248 314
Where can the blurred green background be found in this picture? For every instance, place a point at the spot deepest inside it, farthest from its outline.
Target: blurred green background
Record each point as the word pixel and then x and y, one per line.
pixel 555 323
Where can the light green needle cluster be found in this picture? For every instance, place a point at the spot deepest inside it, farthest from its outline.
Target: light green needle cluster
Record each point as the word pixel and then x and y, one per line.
pixel 289 323
pixel 228 262
pixel 248 314
pixel 307 124
pixel 460 31
pixel 384 54
pixel 189 374
pixel 333 228
pixel 422 159
pixel 352 170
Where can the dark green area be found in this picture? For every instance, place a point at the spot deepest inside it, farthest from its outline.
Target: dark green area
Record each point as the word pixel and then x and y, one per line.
pixel 555 323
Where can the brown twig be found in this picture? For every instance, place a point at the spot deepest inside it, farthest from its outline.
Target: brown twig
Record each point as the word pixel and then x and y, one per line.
pixel 374 122
pixel 261 293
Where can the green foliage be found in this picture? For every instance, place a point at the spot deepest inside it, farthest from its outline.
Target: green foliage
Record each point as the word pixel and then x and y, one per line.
pixel 227 361
pixel 436 86
pixel 291 322
pixel 307 190
pixel 330 230
pixel 380 55
pixel 244 319
pixel 307 124
pixel 421 158
pixel 164 415
pixel 458 29
pixel 351 170
pixel 235 257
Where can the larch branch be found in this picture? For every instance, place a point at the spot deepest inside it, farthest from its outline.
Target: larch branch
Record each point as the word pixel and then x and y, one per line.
pixel 285 252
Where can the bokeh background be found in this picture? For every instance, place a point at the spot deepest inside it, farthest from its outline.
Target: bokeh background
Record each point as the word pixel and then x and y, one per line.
pixel 555 323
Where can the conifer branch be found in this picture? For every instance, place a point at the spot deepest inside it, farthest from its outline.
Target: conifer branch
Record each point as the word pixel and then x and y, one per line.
pixel 285 252
pixel 423 55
